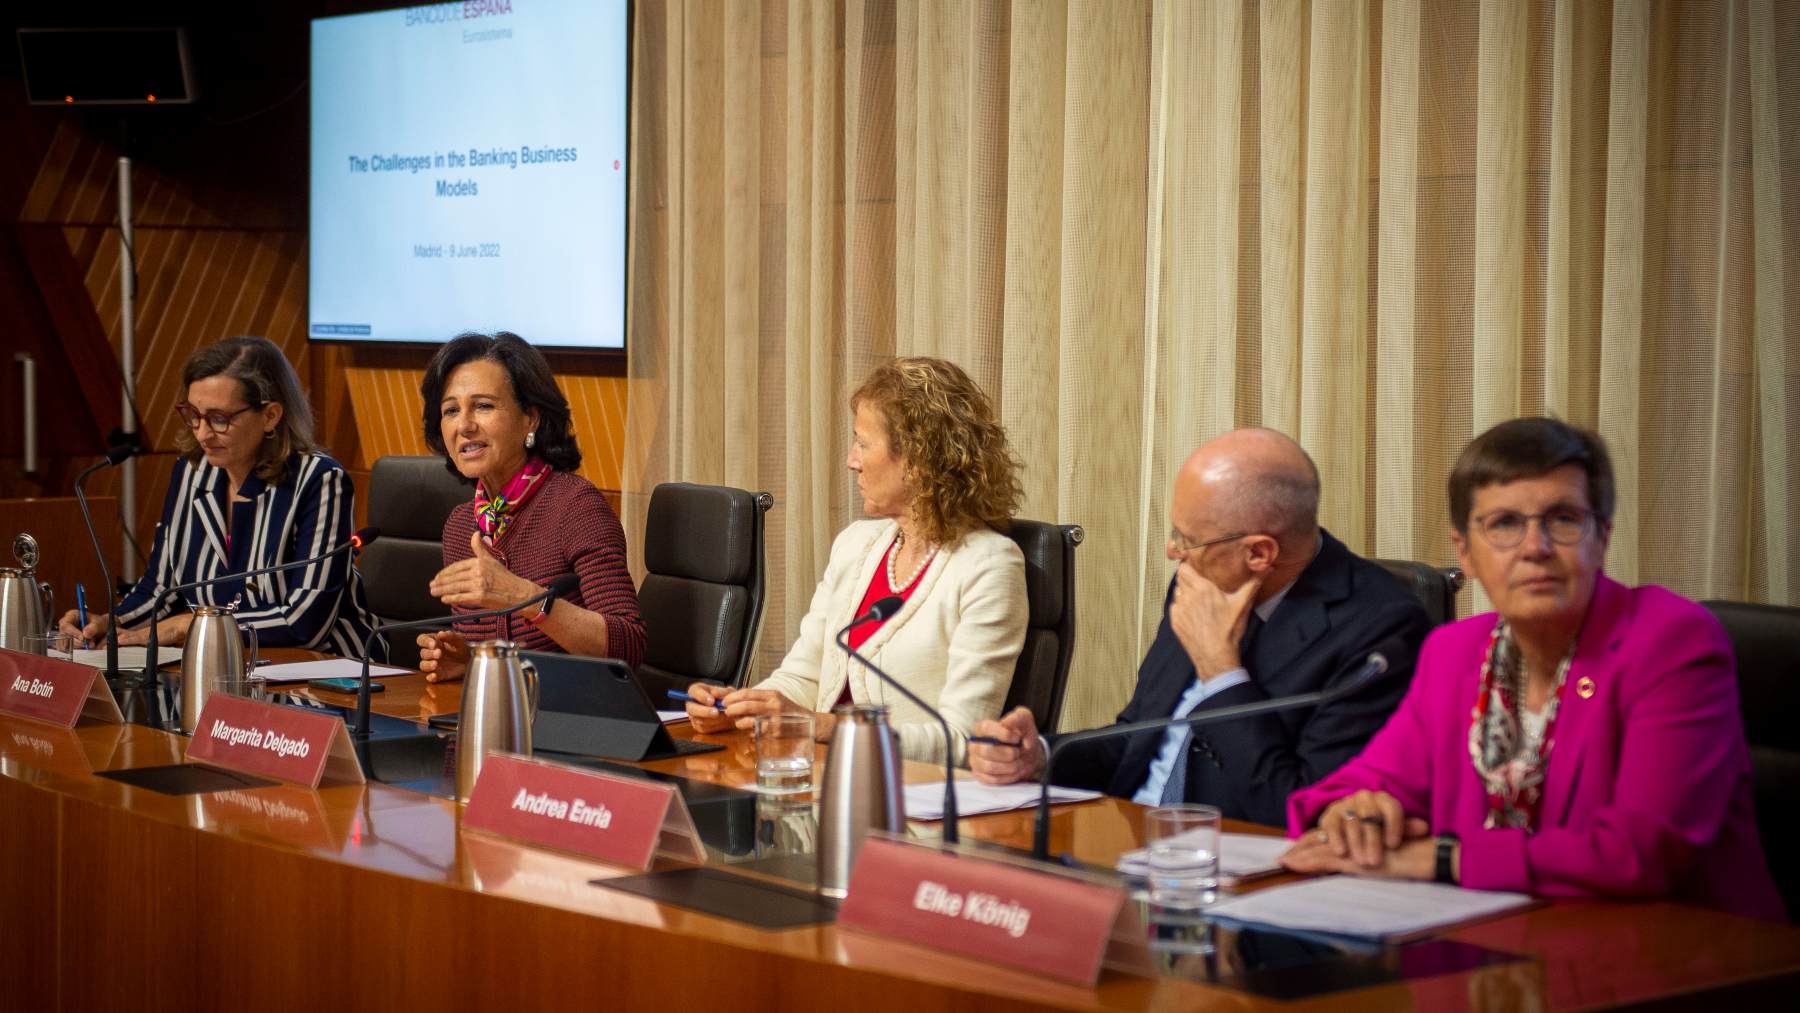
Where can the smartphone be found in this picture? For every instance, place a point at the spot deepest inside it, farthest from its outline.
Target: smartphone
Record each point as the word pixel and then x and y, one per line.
pixel 346 685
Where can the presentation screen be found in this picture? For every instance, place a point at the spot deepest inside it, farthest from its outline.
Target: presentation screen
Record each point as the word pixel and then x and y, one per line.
pixel 468 172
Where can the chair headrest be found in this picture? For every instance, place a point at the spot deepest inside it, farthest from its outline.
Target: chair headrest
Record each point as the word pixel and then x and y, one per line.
pixel 1042 545
pixel 411 496
pixel 701 532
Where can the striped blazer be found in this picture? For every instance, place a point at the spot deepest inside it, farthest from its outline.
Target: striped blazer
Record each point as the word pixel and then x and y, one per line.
pixel 320 606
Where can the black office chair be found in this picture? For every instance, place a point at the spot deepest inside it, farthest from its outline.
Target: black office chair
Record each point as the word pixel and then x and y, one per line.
pixel 1766 642
pixel 702 596
pixel 1041 676
pixel 1435 588
pixel 409 499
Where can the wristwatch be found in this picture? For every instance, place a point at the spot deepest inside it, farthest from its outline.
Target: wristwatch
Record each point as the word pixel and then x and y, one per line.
pixel 537 618
pixel 1446 858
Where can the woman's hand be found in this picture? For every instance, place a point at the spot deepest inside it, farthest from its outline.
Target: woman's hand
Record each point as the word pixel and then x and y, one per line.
pixel 171 632
pixel 741 708
pixel 443 656
pixel 702 715
pixel 480 582
pixel 1363 827
pixel 90 634
pixel 1415 858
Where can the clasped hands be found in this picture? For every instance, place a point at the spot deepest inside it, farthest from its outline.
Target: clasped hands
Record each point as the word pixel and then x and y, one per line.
pixel 1366 834
pixel 479 582
pixel 742 706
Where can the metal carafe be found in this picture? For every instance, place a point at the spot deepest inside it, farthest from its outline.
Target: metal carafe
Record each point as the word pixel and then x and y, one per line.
pixel 860 793
pixel 499 702
pixel 214 659
pixel 26 606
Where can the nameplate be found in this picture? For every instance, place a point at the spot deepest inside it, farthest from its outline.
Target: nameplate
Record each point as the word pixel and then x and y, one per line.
pixel 269 740
pixel 1038 921
pixel 611 817
pixel 53 690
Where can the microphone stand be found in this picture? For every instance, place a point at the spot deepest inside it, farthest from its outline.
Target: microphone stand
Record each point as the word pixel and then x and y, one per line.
pixel 843 641
pixel 149 679
pixel 112 458
pixel 1372 668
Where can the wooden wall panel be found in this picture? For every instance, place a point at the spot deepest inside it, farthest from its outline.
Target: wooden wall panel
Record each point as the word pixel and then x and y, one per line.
pixel 211 265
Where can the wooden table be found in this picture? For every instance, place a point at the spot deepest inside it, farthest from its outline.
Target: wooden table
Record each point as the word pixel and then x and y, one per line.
pixel 286 898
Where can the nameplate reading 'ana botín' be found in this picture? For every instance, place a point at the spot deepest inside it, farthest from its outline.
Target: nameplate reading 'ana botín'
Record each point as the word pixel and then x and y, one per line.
pixel 269 740
pixel 53 690
pixel 1038 921
pixel 613 818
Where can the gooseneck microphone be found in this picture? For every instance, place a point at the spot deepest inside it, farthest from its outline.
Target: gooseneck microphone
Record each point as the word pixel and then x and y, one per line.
pixel 881 611
pixel 1372 668
pixel 355 542
pixel 558 588
pixel 115 456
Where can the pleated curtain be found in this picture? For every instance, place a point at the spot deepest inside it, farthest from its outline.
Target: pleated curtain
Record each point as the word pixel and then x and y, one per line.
pixel 1379 227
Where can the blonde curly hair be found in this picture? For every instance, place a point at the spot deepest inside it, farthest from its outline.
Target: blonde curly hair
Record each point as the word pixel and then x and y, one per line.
pixel 944 429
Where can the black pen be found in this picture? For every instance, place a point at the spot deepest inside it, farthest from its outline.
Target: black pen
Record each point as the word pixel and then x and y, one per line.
pixel 676 694
pixel 989 740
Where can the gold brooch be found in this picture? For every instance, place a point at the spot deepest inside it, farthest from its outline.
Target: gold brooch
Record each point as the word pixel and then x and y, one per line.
pixel 1585 687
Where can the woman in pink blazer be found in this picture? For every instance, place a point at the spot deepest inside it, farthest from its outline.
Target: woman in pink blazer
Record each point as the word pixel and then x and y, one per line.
pixel 1582 740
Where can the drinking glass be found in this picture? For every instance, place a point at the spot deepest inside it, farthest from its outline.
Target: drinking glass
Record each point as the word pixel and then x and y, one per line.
pixel 1183 845
pixel 784 753
pixel 52 644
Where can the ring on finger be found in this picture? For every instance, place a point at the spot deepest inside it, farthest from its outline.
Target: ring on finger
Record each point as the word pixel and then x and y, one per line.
pixel 1324 838
pixel 1372 818
pixel 1352 816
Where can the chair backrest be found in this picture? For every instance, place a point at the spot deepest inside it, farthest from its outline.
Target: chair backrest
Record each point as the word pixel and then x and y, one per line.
pixel 1041 676
pixel 702 595
pixel 409 499
pixel 1435 588
pixel 1765 640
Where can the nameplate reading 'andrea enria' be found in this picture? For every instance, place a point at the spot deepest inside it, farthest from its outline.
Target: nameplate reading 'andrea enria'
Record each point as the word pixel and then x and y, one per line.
pixel 53 690
pixel 269 740
pixel 1039 921
pixel 605 816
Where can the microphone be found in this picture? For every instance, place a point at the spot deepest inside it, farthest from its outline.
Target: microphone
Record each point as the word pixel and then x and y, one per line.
pixel 355 541
pixel 1373 667
pixel 881 611
pixel 114 456
pixel 559 588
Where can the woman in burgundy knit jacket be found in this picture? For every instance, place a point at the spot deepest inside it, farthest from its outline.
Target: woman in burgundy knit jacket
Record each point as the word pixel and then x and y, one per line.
pixel 492 408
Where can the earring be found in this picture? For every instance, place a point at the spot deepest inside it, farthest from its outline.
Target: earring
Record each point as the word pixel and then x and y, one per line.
pixel 269 434
pixel 530 440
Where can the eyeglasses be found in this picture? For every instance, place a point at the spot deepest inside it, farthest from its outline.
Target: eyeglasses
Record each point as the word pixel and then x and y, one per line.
pixel 1183 546
pixel 1505 529
pixel 218 421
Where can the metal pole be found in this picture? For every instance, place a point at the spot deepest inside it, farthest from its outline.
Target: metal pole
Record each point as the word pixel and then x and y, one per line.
pixel 28 378
pixel 128 568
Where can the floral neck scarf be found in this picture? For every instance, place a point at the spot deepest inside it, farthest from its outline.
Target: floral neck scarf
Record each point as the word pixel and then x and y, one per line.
pixel 494 516
pixel 1512 775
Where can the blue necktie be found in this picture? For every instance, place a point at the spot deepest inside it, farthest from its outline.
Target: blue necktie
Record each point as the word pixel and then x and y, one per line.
pixel 1176 788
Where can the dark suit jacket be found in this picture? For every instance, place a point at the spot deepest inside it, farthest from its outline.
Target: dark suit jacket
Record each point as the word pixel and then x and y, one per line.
pixel 1339 609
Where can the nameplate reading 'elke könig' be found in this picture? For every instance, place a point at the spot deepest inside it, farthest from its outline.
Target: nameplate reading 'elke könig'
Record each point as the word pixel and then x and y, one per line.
pixel 269 740
pixel 1038 921
pixel 51 689
pixel 619 819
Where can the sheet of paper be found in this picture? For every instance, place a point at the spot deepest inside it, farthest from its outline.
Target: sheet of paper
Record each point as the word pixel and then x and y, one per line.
pixel 129 657
pixel 328 668
pixel 672 717
pixel 1240 856
pixel 925 801
pixel 1369 908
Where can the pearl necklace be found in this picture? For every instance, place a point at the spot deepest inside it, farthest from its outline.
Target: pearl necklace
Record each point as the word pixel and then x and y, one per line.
pixel 900 543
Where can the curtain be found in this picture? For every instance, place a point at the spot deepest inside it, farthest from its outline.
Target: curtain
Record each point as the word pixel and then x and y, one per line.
pixel 1378 226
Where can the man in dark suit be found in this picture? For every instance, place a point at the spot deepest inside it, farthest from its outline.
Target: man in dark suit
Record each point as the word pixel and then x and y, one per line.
pixel 1264 603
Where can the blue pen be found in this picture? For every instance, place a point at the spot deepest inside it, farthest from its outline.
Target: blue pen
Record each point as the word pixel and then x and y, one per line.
pixel 676 694
pixel 81 604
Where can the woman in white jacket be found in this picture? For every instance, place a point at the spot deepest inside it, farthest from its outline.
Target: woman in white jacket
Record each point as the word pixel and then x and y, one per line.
pixel 940 486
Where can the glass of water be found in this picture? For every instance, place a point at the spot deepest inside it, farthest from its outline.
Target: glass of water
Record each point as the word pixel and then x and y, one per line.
pixel 1183 845
pixel 784 753
pixel 51 644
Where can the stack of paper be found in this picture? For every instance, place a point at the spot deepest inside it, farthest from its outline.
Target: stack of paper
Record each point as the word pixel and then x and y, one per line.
pixel 1240 856
pixel 1368 908
pixel 129 657
pixel 925 801
pixel 328 668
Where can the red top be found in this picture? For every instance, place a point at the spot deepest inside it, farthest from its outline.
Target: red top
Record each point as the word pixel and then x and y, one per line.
pixel 879 588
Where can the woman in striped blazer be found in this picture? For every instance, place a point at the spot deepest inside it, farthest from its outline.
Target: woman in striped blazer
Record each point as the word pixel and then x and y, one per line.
pixel 251 490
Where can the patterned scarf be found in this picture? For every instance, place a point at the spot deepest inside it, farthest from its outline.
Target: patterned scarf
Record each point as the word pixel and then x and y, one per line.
pixel 494 516
pixel 1513 776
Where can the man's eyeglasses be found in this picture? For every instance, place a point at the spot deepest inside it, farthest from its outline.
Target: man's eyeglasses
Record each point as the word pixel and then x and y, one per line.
pixel 1505 529
pixel 1182 545
pixel 218 421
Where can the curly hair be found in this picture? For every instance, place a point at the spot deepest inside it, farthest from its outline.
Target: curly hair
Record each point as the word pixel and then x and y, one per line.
pixel 267 377
pixel 534 387
pixel 945 430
